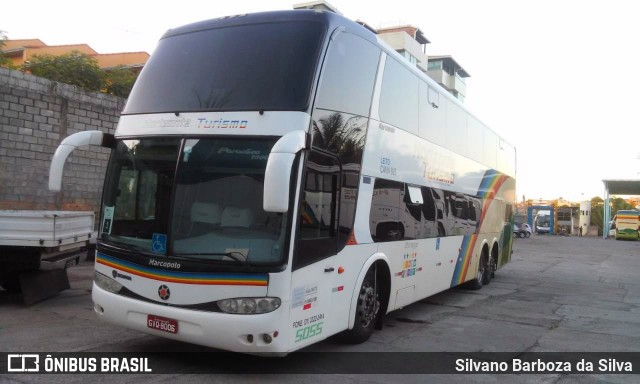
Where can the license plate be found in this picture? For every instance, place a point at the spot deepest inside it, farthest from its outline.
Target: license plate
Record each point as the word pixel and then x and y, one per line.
pixel 162 324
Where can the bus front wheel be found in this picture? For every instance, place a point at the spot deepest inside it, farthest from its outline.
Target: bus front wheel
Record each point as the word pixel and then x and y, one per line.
pixel 367 309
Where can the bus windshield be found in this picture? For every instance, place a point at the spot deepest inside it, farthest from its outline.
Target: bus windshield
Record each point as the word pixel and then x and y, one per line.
pixel 543 221
pixel 193 198
pixel 199 71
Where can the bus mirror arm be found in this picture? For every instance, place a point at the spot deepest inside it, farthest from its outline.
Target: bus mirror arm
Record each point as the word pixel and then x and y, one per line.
pixel 68 145
pixel 277 176
pixel 276 182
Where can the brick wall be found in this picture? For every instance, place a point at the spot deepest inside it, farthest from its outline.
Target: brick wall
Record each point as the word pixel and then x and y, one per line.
pixel 36 114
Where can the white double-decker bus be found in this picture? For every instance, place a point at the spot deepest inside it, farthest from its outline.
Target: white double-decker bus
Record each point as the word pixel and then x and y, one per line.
pixel 278 178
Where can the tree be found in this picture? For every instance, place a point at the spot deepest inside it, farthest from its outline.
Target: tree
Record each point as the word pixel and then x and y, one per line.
pixel 73 68
pixel 119 81
pixel 597 205
pixel 4 61
pixel 345 138
pixel 619 204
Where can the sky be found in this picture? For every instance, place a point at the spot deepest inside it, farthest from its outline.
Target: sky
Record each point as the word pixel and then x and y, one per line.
pixel 555 78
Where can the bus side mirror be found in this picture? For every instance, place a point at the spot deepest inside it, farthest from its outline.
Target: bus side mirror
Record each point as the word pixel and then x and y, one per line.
pixel 277 177
pixel 68 145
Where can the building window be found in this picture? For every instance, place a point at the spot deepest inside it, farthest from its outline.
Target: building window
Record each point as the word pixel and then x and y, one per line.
pixel 412 59
pixel 434 65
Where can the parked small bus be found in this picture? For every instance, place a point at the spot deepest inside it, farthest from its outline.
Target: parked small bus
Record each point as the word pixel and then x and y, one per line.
pixel 542 222
pixel 627 225
pixel 278 178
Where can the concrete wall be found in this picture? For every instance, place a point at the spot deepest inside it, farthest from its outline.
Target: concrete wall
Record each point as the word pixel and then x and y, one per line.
pixel 36 114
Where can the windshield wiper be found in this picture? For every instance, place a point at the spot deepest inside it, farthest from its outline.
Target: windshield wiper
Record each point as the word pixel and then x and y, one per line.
pixel 235 256
pixel 135 249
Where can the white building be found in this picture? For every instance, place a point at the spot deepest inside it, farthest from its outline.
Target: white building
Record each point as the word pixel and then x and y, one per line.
pixel 411 42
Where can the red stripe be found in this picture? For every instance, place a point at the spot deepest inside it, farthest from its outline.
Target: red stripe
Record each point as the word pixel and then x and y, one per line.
pixel 467 258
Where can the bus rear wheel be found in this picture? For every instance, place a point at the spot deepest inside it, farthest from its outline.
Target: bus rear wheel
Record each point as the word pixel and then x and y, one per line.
pixel 491 267
pixel 483 269
pixel 367 310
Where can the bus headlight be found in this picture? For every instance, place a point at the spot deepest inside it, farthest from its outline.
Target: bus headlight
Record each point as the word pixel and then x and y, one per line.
pixel 249 305
pixel 106 283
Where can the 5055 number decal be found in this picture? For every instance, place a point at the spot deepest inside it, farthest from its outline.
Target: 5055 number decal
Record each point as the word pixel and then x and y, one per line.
pixel 309 331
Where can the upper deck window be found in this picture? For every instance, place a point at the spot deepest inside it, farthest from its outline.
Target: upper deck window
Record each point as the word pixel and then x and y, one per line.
pixel 267 66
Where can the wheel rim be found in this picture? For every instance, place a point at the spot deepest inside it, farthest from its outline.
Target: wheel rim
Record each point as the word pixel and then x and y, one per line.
pixel 481 268
pixel 489 269
pixel 368 304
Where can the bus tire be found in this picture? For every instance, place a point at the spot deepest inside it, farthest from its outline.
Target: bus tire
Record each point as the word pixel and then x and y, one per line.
pixel 478 282
pixel 491 266
pixel 367 310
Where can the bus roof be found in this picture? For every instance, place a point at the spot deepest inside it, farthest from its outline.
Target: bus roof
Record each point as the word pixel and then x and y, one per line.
pixel 330 19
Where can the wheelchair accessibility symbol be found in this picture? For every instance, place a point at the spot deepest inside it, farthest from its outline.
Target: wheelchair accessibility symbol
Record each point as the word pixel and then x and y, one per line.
pixel 159 243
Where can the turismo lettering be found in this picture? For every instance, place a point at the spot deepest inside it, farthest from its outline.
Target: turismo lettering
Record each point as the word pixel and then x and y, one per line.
pixel 222 124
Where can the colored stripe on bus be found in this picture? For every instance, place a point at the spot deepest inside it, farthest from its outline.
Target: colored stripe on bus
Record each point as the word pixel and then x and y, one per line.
pixel 260 280
pixel 491 184
pixel 464 259
pixel 489 187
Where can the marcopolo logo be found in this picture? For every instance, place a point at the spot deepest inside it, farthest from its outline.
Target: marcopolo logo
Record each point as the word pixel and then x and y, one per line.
pixel 164 292
pixel 116 274
pixel 164 264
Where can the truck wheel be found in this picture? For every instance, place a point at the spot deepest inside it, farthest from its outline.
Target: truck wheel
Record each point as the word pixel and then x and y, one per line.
pixel 11 284
pixel 367 310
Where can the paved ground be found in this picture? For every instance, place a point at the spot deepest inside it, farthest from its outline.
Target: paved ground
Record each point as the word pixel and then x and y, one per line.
pixel 557 294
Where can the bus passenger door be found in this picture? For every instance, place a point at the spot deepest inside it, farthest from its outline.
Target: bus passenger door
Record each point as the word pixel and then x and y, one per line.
pixel 315 253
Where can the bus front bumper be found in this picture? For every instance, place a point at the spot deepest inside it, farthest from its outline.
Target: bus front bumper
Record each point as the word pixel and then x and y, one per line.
pixel 254 334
